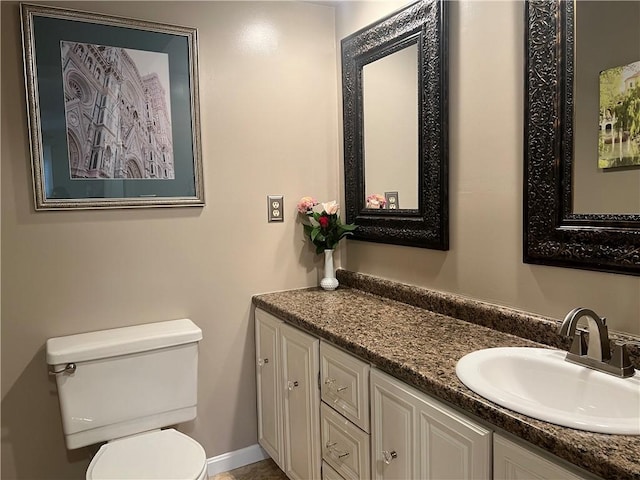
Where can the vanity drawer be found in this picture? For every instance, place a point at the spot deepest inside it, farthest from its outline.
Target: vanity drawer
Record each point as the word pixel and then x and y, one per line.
pixel 345 384
pixel 329 473
pixel 344 446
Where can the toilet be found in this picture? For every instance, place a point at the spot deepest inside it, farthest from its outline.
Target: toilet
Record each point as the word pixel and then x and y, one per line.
pixel 123 386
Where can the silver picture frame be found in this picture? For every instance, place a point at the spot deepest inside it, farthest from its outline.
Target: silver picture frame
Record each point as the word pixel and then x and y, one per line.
pixel 113 111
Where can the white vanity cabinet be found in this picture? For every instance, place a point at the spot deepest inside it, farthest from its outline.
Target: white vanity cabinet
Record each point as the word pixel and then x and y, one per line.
pixel 512 461
pixel 329 473
pixel 345 384
pixel 370 425
pixel 415 436
pixel 344 415
pixel 268 377
pixel 344 446
pixel 288 396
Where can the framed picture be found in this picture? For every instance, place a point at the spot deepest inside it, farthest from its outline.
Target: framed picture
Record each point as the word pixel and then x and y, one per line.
pixel 113 111
pixel 619 136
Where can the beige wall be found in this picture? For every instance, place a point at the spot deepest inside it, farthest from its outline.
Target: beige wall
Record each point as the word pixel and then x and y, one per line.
pixel 269 123
pixel 486 144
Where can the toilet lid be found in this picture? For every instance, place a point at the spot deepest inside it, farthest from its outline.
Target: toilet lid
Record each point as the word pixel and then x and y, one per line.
pixel 159 455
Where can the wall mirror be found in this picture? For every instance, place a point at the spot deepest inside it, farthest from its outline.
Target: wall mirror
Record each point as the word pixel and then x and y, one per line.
pixel 582 135
pixel 395 106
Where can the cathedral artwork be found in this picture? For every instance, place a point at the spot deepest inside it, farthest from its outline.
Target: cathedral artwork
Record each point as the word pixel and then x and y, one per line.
pixel 117 109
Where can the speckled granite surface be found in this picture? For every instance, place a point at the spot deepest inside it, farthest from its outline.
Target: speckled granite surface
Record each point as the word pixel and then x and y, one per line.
pixel 533 327
pixel 421 347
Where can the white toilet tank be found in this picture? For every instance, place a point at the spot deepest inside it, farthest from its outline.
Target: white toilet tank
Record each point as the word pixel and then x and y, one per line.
pixel 127 380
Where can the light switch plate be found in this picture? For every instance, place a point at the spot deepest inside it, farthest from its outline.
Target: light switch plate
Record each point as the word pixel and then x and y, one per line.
pixel 275 208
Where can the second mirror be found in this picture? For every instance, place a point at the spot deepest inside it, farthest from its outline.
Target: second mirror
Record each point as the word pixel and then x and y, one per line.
pixel 394 87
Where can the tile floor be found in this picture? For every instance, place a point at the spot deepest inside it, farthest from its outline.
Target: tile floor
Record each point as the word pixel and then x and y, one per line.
pixel 264 470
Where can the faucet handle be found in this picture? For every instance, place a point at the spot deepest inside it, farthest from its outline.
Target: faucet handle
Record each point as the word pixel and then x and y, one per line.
pixel 579 343
pixel 620 359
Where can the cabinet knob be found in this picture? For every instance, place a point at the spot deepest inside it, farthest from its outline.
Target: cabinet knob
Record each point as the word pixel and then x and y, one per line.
pixel 291 385
pixel 262 362
pixel 389 456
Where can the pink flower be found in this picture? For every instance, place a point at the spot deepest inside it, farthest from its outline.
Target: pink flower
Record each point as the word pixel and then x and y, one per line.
pixel 323 221
pixel 331 207
pixel 306 203
pixel 375 200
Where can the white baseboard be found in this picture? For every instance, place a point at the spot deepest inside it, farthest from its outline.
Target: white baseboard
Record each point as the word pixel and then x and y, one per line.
pixel 239 458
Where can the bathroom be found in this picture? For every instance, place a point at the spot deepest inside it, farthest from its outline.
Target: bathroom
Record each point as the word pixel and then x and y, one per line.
pixel 271 123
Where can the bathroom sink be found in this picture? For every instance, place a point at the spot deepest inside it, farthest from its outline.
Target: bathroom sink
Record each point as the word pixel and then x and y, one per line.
pixel 541 384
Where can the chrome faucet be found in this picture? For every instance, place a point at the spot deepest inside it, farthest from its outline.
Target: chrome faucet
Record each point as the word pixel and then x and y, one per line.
pixel 598 334
pixel 597 354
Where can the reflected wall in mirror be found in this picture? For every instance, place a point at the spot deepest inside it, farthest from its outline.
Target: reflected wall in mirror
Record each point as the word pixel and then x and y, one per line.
pixel 394 84
pixel 607 40
pixel 570 219
pixel 390 116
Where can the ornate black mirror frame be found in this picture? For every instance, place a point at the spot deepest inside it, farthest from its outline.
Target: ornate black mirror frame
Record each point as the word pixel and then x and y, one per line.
pixel 553 234
pixel 424 23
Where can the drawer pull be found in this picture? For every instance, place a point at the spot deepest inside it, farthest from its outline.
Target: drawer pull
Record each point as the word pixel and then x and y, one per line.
pixel 334 452
pixel 330 382
pixel 262 362
pixel 389 456
pixel 291 385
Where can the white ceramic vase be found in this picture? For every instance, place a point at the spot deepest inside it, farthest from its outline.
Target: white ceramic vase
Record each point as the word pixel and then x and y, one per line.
pixel 329 281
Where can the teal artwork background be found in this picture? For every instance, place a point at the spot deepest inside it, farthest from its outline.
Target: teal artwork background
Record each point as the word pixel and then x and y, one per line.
pixel 48 33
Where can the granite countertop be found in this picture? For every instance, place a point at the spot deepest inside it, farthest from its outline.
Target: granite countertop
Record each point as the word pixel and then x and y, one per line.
pixel 421 347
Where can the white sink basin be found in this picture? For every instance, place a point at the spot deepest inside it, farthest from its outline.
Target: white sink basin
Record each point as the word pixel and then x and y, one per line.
pixel 539 383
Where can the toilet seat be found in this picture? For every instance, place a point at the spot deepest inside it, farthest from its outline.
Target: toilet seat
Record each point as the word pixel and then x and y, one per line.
pixel 157 455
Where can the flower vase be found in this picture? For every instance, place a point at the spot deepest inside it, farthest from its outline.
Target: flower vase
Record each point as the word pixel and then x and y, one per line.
pixel 329 281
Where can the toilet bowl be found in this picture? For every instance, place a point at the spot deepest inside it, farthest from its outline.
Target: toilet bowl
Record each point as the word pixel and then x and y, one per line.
pixel 161 454
pixel 126 386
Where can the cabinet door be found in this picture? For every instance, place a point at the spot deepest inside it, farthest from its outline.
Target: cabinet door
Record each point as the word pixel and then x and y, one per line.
pixel 514 462
pixel 301 406
pixel 269 385
pixel 393 431
pixel 451 446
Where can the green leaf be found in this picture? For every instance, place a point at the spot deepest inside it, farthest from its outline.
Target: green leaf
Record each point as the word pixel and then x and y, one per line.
pixel 307 230
pixel 349 226
pixel 315 231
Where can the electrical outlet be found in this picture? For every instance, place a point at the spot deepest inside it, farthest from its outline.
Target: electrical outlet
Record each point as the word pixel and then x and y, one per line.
pixel 275 208
pixel 393 203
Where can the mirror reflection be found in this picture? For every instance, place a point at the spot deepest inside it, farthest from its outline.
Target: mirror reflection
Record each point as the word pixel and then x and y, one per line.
pixel 395 107
pixel 564 172
pixel 390 130
pixel 606 170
